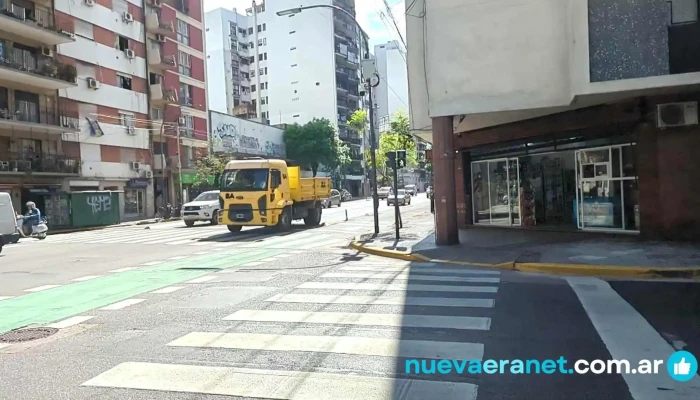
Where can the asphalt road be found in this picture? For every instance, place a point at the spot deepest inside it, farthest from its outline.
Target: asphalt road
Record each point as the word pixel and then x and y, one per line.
pixel 301 316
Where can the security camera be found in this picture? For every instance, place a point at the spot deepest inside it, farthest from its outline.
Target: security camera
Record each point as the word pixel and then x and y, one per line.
pixel 362 93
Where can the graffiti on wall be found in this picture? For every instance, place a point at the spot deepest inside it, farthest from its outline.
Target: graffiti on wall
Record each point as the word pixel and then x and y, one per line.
pixel 263 141
pixel 100 203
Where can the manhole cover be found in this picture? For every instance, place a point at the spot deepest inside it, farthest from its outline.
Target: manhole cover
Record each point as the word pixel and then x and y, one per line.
pixel 26 335
pixel 529 256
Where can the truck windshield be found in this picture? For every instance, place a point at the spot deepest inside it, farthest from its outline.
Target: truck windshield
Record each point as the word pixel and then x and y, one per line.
pixel 242 180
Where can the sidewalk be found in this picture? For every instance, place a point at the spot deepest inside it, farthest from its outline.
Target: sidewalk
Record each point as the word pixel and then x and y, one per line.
pixel 568 253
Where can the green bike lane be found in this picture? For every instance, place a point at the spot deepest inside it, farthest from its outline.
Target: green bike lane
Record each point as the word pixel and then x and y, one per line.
pixel 66 301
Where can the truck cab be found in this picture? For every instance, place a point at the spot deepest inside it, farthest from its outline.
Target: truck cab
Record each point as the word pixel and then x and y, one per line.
pixel 267 192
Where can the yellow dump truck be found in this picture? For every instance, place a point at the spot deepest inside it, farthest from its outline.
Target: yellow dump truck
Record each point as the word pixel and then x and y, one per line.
pixel 263 192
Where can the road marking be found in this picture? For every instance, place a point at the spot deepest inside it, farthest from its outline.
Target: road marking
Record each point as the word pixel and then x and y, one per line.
pixel 169 289
pixel 275 384
pixel 122 304
pixel 409 276
pixel 421 270
pixel 3 345
pixel 628 336
pixel 382 300
pixel 85 278
pixel 178 258
pixel 201 253
pixel 6 297
pixel 199 244
pixel 397 286
pixel 334 344
pixel 70 322
pixel 151 263
pixel 40 288
pixel 125 269
pixel 224 244
pixel 180 242
pixel 345 318
pixel 202 279
pixel 269 259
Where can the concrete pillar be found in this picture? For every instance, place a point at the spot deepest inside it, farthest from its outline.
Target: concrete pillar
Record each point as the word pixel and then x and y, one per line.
pixel 651 220
pixel 460 191
pixel 446 232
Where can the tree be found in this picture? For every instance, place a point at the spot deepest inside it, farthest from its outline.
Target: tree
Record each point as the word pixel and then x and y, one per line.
pixel 398 138
pixel 358 121
pixel 313 144
pixel 209 165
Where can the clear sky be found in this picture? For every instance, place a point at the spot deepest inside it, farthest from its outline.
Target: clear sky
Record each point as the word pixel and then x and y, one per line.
pixel 380 29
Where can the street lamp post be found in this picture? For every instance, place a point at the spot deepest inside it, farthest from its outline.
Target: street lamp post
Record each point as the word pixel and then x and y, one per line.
pixel 373 144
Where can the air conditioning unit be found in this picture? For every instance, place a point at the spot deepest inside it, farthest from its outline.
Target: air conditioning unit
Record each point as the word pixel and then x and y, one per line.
pixel 93 83
pixel 181 121
pixel 148 174
pixel 160 38
pixel 47 51
pixel 130 130
pixel 90 3
pixel 135 165
pixel 129 53
pixel 126 17
pixel 677 114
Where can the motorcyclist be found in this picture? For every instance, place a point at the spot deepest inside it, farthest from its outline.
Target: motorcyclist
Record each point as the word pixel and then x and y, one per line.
pixel 32 218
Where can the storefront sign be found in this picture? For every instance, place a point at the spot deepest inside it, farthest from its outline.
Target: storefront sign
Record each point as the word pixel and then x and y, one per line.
pixel 192 178
pixel 237 135
pixel 137 183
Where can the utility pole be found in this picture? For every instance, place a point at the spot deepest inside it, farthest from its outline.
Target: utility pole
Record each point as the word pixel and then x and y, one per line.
pixel 256 44
pixel 179 165
pixel 373 153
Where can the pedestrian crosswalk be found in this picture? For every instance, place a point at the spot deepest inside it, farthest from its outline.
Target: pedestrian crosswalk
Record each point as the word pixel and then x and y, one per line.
pixel 332 315
pixel 214 237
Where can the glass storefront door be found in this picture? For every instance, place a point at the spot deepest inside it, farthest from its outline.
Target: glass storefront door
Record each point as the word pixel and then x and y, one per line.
pixel 607 190
pixel 496 197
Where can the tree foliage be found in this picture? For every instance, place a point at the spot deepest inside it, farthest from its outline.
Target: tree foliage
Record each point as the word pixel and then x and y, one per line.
pixel 398 138
pixel 358 121
pixel 314 144
pixel 207 166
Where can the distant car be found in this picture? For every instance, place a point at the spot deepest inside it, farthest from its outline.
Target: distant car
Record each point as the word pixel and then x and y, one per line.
pixel 345 195
pixel 334 199
pixel 384 192
pixel 411 189
pixel 403 198
pixel 204 207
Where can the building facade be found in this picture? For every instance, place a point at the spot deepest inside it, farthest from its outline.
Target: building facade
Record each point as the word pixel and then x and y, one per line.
pixel 290 69
pixel 178 98
pixel 391 94
pixel 35 162
pixel 563 120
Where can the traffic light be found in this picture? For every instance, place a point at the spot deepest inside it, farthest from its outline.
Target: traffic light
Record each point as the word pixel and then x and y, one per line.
pixel 401 159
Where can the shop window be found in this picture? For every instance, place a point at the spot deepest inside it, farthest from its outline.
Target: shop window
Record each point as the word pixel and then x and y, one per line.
pixel 134 201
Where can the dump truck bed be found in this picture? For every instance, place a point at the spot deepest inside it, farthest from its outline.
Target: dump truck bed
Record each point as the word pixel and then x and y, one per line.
pixel 306 189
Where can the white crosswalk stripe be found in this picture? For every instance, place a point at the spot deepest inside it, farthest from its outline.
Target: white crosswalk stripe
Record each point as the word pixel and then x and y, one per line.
pixel 444 308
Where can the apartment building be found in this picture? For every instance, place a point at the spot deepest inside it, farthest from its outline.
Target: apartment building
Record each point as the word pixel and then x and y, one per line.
pixel 35 162
pixel 391 94
pixel 574 115
pixel 289 69
pixel 178 100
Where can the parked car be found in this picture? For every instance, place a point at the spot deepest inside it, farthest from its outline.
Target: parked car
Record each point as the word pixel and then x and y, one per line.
pixel 411 189
pixel 345 195
pixel 403 198
pixel 384 192
pixel 204 207
pixel 334 200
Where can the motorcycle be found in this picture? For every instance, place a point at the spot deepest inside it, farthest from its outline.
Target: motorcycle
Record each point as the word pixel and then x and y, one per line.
pixel 39 230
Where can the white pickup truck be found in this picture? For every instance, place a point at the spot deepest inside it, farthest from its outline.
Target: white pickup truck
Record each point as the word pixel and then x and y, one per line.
pixel 204 207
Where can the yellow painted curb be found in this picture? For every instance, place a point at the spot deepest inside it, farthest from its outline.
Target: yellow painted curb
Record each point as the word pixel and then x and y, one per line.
pixel 545 268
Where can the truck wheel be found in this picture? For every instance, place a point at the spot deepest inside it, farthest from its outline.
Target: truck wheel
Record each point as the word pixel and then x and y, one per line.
pixel 285 221
pixel 234 228
pixel 314 217
pixel 189 223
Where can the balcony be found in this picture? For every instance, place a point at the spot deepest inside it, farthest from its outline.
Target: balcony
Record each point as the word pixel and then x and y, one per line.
pixel 345 58
pixel 345 5
pixel 186 101
pixel 33 24
pixel 155 25
pixel 158 61
pixel 24 162
pixel 161 95
pixel 29 117
pixel 356 157
pixel 41 73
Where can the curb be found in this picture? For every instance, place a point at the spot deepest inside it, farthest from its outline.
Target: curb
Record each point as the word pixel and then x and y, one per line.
pixel 544 268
